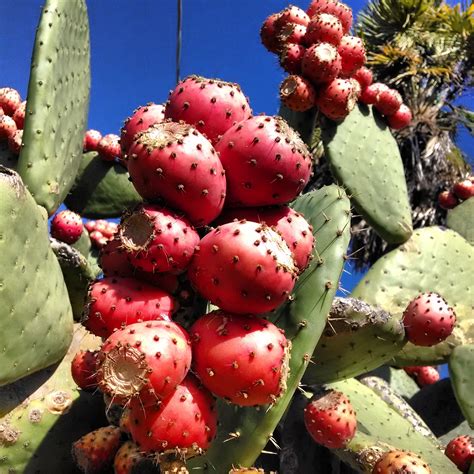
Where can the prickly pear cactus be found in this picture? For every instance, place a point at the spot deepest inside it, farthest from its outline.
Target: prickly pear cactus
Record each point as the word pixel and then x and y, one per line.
pixel 461 220
pixel 35 313
pixel 57 104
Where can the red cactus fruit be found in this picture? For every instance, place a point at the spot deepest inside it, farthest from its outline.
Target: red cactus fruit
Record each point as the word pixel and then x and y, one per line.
pixel 174 162
pixel 269 34
pixel 2 112
pixel 158 240
pixel 324 28
pixel 15 141
pixel 411 369
pixel 97 238
pixel 330 419
pixel 428 320
pixel 292 33
pixel 388 101
pixel 243 267
pixel 83 369
pixel 338 9
pixel 10 100
pixel 131 459
pixel 352 52
pixel 7 127
pixel 337 99
pixel 266 162
pixel 291 57
pixel 393 462
pixel 143 117
pixel 95 451
pixel 427 375
pixel 210 105
pixel 464 189
pixel 400 119
pixel 369 94
pixel 291 14
pixel 321 63
pixel 67 226
pixel 461 452
pixel 297 93
pixel 109 147
pixel 91 140
pixel 19 115
pixel 243 359
pixel 364 77
pixel 186 421
pixel 114 261
pixel 145 360
pixel 116 302
pixel 291 225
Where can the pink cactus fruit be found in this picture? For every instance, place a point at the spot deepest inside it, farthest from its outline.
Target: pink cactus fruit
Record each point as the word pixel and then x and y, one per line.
pixel 337 99
pixel 352 52
pixel 324 28
pixel 97 238
pixel 10 100
pixel 464 189
pixel 291 15
pixel 174 162
pixel 7 127
pixel 158 240
pixel 428 320
pixel 143 117
pixel 388 101
pixel 364 77
pixel 291 225
pixel 369 94
pixel 67 226
pixel 291 57
pixel 269 34
pixel 292 33
pixel 243 267
pixel 19 115
pixel 116 302
pixel 15 141
pixel 427 375
pixel 145 360
pixel 91 140
pixel 185 422
pixel 266 162
pixel 109 147
pixel 297 93
pixel 461 452
pixel 2 112
pixel 321 63
pixel 83 369
pixel 447 200
pixel 211 106
pixel 243 359
pixel 340 10
pixel 94 452
pixel 400 119
pixel 330 419
pixel 396 461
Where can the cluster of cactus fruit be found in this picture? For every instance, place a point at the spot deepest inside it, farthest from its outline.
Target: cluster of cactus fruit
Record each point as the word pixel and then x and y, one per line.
pixel 206 330
pixel 460 192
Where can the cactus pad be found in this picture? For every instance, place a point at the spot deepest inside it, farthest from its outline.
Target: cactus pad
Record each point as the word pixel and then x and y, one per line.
pixel 434 259
pixel 57 104
pixel 365 159
pixel 461 219
pixel 35 313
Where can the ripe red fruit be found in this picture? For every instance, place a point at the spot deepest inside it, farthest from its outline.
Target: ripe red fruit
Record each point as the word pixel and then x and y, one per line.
pixel 146 360
pixel 83 369
pixel 116 302
pixel 269 34
pixel 447 200
pixel 330 419
pixel 461 452
pixel 7 127
pixel 321 63
pixel 91 140
pixel 364 77
pixel 97 238
pixel 186 420
pixel 405 462
pixel 266 162
pixel 369 94
pixel 15 141
pixel 324 28
pixel 388 101
pixel 337 99
pixel 10 100
pixel 2 112
pixel 210 105
pixel 291 58
pixel 109 147
pixel 158 240
pixel 291 15
pixel 67 226
pixel 19 115
pixel 297 93
pixel 338 9
pixel 292 33
pixel 400 119
pixel 464 189
pixel 243 267
pixel 113 260
pixel 428 320
pixel 243 359
pixel 427 375
pixel 352 52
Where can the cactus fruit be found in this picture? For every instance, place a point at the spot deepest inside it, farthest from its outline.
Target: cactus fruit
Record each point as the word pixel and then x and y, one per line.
pixel 364 77
pixel 15 141
pixel 10 100
pixel 338 9
pixel 447 200
pixel 95 451
pixel 269 34
pixel 427 375
pixel 83 369
pixel 290 15
pixel 279 167
pixel 113 259
pixel 324 28
pixel 211 106
pixel 67 226
pixel 405 462
pixel 109 147
pixel 464 189
pixel 243 267
pixel 130 459
pixel 19 115
pixel 330 419
pixel 158 240
pixel 186 421
pixel 292 33
pixel 321 63
pixel 369 94
pixel 461 451
pixel 428 319
pixel 146 360
pixel 337 99
pixel 91 140
pixel 297 93
pixel 291 57
pixel 7 127
pixel 243 359
pixel 115 302
pixel 388 101
pixel 401 118
pixel 352 52
pixel 173 161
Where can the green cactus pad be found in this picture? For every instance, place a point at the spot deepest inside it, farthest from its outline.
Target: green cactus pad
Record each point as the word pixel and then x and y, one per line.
pixel 84 244
pixel 381 422
pixel 434 259
pixel 365 159
pixel 50 413
pixel 7 158
pixel 35 313
pixel 102 189
pixel 302 122
pixel 247 430
pixel 461 219
pixel 57 104
pixel 357 338
pixel 461 371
